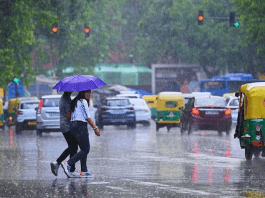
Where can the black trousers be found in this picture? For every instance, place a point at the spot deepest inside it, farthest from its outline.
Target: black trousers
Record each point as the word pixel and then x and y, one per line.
pixel 80 132
pixel 71 150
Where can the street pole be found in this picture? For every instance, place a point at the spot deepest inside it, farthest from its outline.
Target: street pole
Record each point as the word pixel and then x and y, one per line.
pixel 16 90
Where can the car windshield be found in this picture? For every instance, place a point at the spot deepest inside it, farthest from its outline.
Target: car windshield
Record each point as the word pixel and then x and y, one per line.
pixel 31 105
pixel 112 103
pixel 209 102
pixel 51 102
pixel 138 102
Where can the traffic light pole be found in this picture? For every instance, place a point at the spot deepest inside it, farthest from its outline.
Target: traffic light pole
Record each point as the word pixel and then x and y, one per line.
pixel 16 90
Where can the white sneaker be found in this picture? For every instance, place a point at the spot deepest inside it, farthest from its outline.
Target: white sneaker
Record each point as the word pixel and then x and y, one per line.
pixel 73 174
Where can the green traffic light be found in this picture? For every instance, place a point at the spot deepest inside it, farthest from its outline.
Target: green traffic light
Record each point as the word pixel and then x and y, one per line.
pixel 16 80
pixel 236 24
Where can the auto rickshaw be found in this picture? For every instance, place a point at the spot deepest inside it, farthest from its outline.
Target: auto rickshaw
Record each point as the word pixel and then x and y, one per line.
pixel 250 128
pixel 12 106
pixel 169 109
pixel 1 114
pixel 228 94
pixel 151 101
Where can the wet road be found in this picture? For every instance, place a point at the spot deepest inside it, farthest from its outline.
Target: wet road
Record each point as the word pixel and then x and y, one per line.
pixel 132 163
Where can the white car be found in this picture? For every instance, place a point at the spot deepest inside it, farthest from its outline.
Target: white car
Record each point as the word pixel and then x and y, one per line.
pixel 26 115
pixel 142 111
pixel 232 102
pixel 128 95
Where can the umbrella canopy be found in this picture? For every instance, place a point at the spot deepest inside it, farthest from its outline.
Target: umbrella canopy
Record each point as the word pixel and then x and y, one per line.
pixel 79 83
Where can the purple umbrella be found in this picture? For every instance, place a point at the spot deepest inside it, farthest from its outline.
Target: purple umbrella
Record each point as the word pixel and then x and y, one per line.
pixel 79 83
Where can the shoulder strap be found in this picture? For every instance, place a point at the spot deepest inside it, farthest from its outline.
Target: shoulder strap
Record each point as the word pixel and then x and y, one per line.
pixel 84 109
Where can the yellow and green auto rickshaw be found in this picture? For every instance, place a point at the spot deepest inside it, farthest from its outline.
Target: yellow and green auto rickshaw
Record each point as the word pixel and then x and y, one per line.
pixel 169 109
pixel 250 128
pixel 151 101
pixel 12 107
pixel 1 114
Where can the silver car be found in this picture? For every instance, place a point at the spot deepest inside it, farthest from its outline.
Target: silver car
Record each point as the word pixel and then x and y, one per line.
pixel 26 115
pixel 232 102
pixel 48 114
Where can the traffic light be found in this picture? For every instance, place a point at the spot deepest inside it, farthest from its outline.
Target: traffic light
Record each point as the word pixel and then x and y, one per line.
pixel 236 24
pixel 200 17
pixel 16 80
pixel 55 28
pixel 86 30
pixel 232 20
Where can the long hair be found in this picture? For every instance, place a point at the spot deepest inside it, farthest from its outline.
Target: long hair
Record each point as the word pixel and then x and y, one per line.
pixel 80 95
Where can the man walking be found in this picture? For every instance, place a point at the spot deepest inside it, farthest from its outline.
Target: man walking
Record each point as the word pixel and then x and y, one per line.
pixel 65 116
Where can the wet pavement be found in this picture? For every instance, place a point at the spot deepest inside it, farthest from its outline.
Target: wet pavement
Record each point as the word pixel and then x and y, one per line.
pixel 132 163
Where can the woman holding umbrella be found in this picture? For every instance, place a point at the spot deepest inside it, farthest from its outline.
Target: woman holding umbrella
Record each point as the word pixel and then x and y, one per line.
pixel 80 116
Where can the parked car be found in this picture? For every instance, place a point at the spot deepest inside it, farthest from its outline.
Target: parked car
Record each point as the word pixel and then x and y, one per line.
pixel 232 102
pixel 142 111
pixel 26 115
pixel 206 113
pixel 115 111
pixel 48 115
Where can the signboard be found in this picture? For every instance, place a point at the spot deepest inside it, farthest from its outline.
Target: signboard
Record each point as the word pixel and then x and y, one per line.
pixel 11 89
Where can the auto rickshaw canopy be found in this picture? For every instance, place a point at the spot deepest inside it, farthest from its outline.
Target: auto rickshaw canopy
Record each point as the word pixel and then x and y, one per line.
pixel 165 97
pixel 13 102
pixel 150 100
pixel 254 100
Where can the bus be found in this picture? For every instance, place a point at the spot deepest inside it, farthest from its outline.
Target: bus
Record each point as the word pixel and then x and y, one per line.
pixel 229 83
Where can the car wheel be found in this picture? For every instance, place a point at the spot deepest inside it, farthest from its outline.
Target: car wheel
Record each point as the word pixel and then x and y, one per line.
pixel 133 125
pixel 18 128
pixel 100 125
pixel 39 132
pixel 227 131
pixel 256 153
pixel 146 124
pixel 248 152
pixel 157 127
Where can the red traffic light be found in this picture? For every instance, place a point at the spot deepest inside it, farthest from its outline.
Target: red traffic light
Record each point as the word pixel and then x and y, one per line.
pixel 86 30
pixel 200 18
pixel 55 28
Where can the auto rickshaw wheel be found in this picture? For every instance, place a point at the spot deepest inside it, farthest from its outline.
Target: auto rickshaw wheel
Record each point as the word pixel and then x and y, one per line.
pixel 256 153
pixel 248 152
pixel 168 128
pixel 157 127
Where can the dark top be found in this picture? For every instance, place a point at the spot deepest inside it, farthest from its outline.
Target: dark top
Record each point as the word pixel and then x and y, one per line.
pixel 64 106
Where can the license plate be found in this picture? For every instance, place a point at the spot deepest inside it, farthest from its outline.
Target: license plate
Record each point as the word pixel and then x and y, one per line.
pixel 211 112
pixel 118 112
pixel 32 123
pixel 54 114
